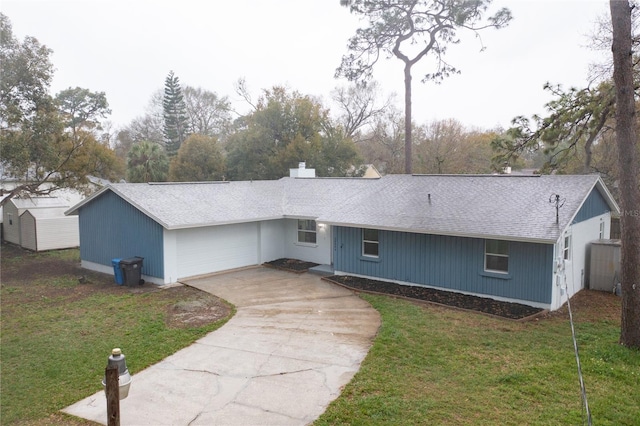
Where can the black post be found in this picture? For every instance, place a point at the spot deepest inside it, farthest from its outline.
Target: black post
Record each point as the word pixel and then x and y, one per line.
pixel 112 391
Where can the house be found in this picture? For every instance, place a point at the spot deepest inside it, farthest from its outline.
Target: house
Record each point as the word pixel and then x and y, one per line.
pixel 495 236
pixel 39 223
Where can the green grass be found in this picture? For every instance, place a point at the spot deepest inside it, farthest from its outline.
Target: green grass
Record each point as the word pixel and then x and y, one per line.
pixel 436 366
pixel 428 365
pixel 57 335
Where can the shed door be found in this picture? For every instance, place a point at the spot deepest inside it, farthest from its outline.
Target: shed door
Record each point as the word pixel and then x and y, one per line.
pixel 216 248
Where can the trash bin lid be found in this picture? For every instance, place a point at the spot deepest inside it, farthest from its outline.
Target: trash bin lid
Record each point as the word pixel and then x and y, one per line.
pixel 132 260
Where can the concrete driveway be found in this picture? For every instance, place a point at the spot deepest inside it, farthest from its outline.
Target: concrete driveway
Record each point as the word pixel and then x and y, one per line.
pixel 294 342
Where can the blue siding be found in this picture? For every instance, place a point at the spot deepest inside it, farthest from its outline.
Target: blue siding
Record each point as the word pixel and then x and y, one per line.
pixel 594 205
pixel 112 228
pixel 452 263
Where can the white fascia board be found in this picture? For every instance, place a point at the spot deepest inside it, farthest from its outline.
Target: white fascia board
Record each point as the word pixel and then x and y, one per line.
pixel 289 216
pixel 610 200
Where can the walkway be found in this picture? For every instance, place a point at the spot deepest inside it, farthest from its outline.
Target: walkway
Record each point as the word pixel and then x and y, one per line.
pixel 294 342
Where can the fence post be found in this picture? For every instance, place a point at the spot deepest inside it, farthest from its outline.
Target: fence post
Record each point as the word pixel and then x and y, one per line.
pixel 112 391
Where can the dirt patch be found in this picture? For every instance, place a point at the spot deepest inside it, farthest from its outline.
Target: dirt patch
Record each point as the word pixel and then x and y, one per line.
pixel 592 306
pixel 291 265
pixel 448 298
pixel 197 312
pixel 58 278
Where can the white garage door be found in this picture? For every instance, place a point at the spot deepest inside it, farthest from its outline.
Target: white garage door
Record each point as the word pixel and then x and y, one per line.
pixel 217 248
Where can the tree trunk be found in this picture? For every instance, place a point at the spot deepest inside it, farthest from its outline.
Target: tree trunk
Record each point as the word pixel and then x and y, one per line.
pixel 628 162
pixel 407 119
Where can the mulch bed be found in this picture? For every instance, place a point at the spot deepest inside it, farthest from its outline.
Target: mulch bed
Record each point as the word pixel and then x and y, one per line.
pixel 485 305
pixel 291 265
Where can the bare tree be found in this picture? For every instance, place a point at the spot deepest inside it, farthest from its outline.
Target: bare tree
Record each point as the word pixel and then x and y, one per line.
pixel 360 105
pixel 208 113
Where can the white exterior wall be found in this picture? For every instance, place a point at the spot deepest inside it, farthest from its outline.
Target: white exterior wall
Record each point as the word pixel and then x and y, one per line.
pixel 40 234
pixel 216 248
pixel 58 233
pixel 271 240
pixel 570 275
pixel 170 253
pixel 318 253
pixel 198 251
pixel 11 223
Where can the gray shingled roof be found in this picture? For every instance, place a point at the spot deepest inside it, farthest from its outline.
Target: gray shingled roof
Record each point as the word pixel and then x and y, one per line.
pixel 513 207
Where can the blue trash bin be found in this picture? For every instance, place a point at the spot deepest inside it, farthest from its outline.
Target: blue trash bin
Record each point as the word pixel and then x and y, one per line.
pixel 117 271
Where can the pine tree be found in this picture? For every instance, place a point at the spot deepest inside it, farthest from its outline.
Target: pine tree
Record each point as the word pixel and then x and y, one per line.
pixel 175 115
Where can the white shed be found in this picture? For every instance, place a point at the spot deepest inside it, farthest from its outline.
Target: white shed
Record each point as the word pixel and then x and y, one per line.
pixel 17 206
pixel 48 229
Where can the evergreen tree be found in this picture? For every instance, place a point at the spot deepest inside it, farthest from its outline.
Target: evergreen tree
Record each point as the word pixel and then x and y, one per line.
pixel 175 115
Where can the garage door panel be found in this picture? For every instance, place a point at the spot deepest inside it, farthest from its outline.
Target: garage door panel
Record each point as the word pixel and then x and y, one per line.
pixel 216 248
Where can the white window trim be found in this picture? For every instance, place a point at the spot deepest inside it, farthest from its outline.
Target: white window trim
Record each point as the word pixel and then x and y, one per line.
pixel 495 271
pixel 602 229
pixel 377 242
pixel 298 230
pixel 566 248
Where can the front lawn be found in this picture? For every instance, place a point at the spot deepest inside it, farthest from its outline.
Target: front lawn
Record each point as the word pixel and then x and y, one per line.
pixel 436 366
pixel 58 330
pixel 428 365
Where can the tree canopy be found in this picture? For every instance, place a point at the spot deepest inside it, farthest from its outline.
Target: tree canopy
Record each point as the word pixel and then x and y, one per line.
pixel 284 129
pixel 46 143
pixel 147 162
pixel 199 159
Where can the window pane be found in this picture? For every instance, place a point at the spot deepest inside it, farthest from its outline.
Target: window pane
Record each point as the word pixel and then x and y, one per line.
pixel 306 237
pixel 307 225
pixel 371 249
pixel 498 263
pixel 370 234
pixel 497 247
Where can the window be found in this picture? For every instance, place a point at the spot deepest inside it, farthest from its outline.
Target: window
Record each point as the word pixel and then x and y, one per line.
pixel 496 256
pixel 306 231
pixel 10 216
pixel 601 230
pixel 567 248
pixel 370 242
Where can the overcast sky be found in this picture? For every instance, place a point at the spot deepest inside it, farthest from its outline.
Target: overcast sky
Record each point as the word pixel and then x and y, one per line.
pixel 127 48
